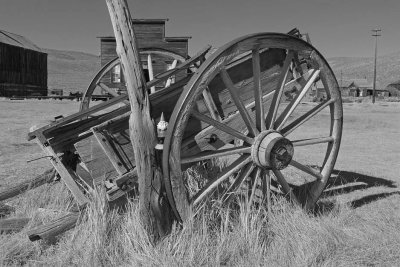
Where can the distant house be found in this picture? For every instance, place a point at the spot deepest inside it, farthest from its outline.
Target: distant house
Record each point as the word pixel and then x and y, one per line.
pixel 394 88
pixel 150 34
pixel 362 88
pixel 23 66
pixel 359 87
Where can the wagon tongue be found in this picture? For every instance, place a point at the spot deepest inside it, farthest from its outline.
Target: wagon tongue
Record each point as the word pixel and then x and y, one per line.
pixel 272 150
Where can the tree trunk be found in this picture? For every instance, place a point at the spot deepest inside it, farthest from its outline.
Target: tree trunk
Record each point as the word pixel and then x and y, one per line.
pixel 154 211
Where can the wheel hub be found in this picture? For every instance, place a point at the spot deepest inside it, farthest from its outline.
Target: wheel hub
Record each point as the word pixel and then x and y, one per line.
pixel 271 150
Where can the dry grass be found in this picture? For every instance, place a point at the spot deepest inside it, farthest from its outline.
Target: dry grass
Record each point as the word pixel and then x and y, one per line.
pixel 345 234
pixel 286 237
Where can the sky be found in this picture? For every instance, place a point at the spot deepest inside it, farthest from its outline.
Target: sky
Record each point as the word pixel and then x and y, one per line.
pixel 336 27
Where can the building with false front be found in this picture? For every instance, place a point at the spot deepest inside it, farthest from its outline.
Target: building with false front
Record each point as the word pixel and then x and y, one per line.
pixel 158 52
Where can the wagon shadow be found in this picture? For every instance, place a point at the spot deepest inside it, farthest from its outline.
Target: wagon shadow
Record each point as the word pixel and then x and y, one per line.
pixel 344 182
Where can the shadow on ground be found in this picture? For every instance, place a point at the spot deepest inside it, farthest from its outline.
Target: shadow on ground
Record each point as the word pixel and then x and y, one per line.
pixel 344 182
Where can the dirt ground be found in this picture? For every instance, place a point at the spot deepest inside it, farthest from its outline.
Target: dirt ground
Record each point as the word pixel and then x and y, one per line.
pixel 17 116
pixel 369 158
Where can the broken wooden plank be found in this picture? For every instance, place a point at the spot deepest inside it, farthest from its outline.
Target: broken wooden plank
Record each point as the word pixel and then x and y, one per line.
pixel 122 185
pixel 85 176
pixel 94 158
pixel 105 142
pixel 78 115
pixel 128 178
pixel 184 65
pixel 66 173
pixel 46 177
pixel 13 225
pixel 58 226
pixel 122 98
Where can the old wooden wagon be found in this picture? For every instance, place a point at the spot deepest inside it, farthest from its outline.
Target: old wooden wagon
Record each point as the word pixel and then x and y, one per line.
pixel 242 108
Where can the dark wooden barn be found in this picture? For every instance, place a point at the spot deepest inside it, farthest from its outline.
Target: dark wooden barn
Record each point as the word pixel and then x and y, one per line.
pixel 150 34
pixel 23 67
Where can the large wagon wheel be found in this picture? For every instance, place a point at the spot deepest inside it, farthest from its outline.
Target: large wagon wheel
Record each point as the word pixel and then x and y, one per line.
pixel 96 81
pixel 253 89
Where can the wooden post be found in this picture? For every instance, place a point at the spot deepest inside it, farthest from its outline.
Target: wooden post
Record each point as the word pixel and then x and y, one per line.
pixel 154 209
pixel 46 177
pixel 13 225
pixel 54 228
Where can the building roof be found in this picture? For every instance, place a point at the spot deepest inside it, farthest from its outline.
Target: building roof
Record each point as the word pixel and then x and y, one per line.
pixel 17 40
pixel 394 84
pixel 361 83
pixel 344 83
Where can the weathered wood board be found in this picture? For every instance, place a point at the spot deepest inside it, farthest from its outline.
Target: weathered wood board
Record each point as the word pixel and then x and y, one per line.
pixel 93 156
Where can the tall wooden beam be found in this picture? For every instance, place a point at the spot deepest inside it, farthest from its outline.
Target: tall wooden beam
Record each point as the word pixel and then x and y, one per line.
pixel 142 134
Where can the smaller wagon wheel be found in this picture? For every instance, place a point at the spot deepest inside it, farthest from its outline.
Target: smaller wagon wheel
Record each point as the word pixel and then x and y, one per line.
pixel 97 80
pixel 253 89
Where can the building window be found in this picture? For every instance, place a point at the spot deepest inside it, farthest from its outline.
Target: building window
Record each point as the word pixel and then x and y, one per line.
pixel 116 74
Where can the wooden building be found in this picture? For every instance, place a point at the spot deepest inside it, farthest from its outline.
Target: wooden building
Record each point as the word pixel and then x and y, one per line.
pixel 23 67
pixel 394 88
pixel 362 88
pixel 150 34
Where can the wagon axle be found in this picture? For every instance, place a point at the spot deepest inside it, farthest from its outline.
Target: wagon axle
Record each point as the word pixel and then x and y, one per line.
pixel 271 150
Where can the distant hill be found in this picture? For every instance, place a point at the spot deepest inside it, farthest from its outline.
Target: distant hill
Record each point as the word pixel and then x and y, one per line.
pixel 73 71
pixel 388 68
pixel 70 70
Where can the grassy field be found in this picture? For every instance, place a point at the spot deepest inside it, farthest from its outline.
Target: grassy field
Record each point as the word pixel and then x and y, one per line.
pixel 358 227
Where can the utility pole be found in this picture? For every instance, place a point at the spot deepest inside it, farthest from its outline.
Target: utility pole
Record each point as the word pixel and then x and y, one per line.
pixel 376 33
pixel 341 79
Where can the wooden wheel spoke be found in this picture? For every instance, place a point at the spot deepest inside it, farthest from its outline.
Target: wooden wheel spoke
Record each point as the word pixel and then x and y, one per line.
pixel 285 186
pixel 306 169
pixel 312 141
pixel 108 89
pixel 207 189
pixel 260 123
pixel 256 175
pixel 295 102
pixel 210 104
pixel 266 188
pixel 217 153
pixel 111 92
pixel 273 109
pixel 223 127
pixel 305 117
pixel 247 80
pixel 238 102
pixel 238 182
